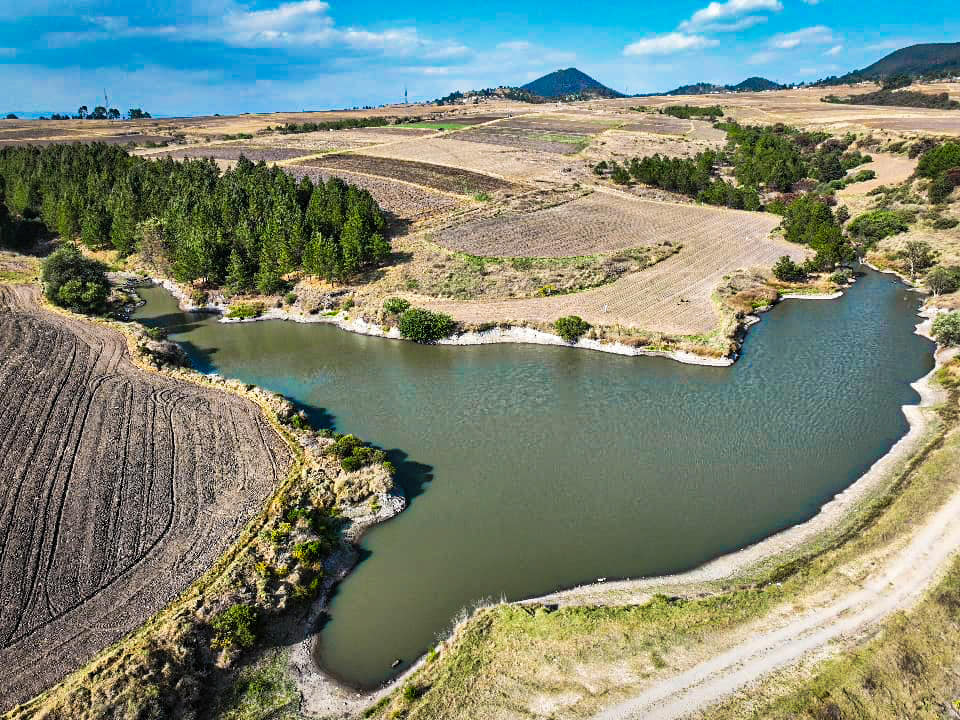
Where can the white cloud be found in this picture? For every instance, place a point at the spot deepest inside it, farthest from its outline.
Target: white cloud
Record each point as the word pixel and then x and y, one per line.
pixel 742 24
pixel 812 2
pixel 720 11
pixel 834 51
pixel 668 44
pixel 816 35
pixel 762 58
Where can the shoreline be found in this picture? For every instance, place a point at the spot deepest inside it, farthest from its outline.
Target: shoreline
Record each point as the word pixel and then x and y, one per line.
pixel 502 334
pixel 324 694
pixel 329 695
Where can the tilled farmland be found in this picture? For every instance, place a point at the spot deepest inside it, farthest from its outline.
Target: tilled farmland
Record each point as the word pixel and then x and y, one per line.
pixel 598 223
pixel 673 296
pixel 233 152
pixel 120 487
pixel 437 177
pixel 401 200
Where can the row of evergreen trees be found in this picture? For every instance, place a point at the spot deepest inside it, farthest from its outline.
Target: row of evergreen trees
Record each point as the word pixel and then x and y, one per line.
pixel 695 177
pixel 244 228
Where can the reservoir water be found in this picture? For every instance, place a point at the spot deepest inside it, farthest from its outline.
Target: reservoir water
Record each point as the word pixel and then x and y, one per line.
pixel 533 468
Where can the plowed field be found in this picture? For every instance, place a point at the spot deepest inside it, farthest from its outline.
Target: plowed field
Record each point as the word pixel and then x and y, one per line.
pixel 437 177
pixel 600 223
pixel 673 296
pixel 118 487
pixel 403 201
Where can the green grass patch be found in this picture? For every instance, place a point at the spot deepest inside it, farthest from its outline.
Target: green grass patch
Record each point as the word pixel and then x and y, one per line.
pixel 578 140
pixel 436 125
pixel 262 691
pixel 17 276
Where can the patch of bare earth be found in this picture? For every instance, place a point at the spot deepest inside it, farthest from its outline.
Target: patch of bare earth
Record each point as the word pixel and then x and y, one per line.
pixel 120 487
pixel 404 201
pixel 674 296
pixel 436 177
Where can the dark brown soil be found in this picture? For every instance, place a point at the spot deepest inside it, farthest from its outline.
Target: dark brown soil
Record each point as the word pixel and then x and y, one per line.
pixel 436 177
pixel 118 488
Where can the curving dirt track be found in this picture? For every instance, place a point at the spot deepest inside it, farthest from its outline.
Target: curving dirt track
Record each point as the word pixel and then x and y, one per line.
pixel 118 488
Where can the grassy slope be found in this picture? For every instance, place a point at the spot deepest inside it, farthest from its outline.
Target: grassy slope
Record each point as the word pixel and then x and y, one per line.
pixel 507 663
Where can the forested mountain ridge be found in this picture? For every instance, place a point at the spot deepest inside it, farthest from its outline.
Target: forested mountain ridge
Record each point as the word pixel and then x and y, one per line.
pixel 563 83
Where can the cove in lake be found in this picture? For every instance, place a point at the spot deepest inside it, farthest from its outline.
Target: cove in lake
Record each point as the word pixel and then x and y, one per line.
pixel 533 468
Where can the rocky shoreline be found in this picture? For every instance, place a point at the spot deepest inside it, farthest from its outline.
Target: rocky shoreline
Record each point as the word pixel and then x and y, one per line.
pixel 513 334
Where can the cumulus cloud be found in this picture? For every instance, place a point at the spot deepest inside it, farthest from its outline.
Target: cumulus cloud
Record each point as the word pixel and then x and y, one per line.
pixel 816 35
pixel 716 14
pixel 834 51
pixel 668 44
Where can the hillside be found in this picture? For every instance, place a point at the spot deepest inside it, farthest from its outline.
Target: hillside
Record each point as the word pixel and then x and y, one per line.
pixel 916 60
pixel 751 84
pixel 563 83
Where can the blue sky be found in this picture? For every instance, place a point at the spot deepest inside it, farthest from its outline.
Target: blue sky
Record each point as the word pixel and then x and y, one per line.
pixel 229 56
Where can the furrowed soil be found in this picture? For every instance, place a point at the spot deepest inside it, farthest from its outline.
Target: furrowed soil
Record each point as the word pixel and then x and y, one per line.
pixel 436 177
pixel 120 487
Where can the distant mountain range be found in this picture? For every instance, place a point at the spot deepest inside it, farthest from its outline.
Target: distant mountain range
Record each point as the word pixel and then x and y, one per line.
pixel 929 59
pixel 751 84
pixel 567 83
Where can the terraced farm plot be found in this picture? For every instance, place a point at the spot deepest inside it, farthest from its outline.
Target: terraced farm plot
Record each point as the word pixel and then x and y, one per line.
pixel 437 177
pixel 659 125
pixel 673 296
pixel 527 139
pixel 509 163
pixel 119 488
pixel 598 223
pixel 233 151
pixel 403 201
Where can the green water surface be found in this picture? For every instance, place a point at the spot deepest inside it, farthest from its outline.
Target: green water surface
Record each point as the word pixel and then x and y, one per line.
pixel 535 468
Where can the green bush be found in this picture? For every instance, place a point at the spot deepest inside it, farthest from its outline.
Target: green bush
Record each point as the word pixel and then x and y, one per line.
pixel 571 328
pixel 235 627
pixel 245 311
pixel 786 270
pixel 938 160
pixel 946 328
pixel 73 281
pixel 309 552
pixel 945 223
pixel 940 189
pixel 877 224
pixel 290 298
pixel 396 306
pixel 863 176
pixel 423 326
pixel 842 276
pixel 943 280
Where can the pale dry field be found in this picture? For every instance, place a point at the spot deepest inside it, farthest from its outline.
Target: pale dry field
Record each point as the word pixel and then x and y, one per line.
pixel 602 222
pixel 673 297
pixel 507 163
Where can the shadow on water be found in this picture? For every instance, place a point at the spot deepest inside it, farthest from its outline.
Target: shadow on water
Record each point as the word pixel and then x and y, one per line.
pixel 411 475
